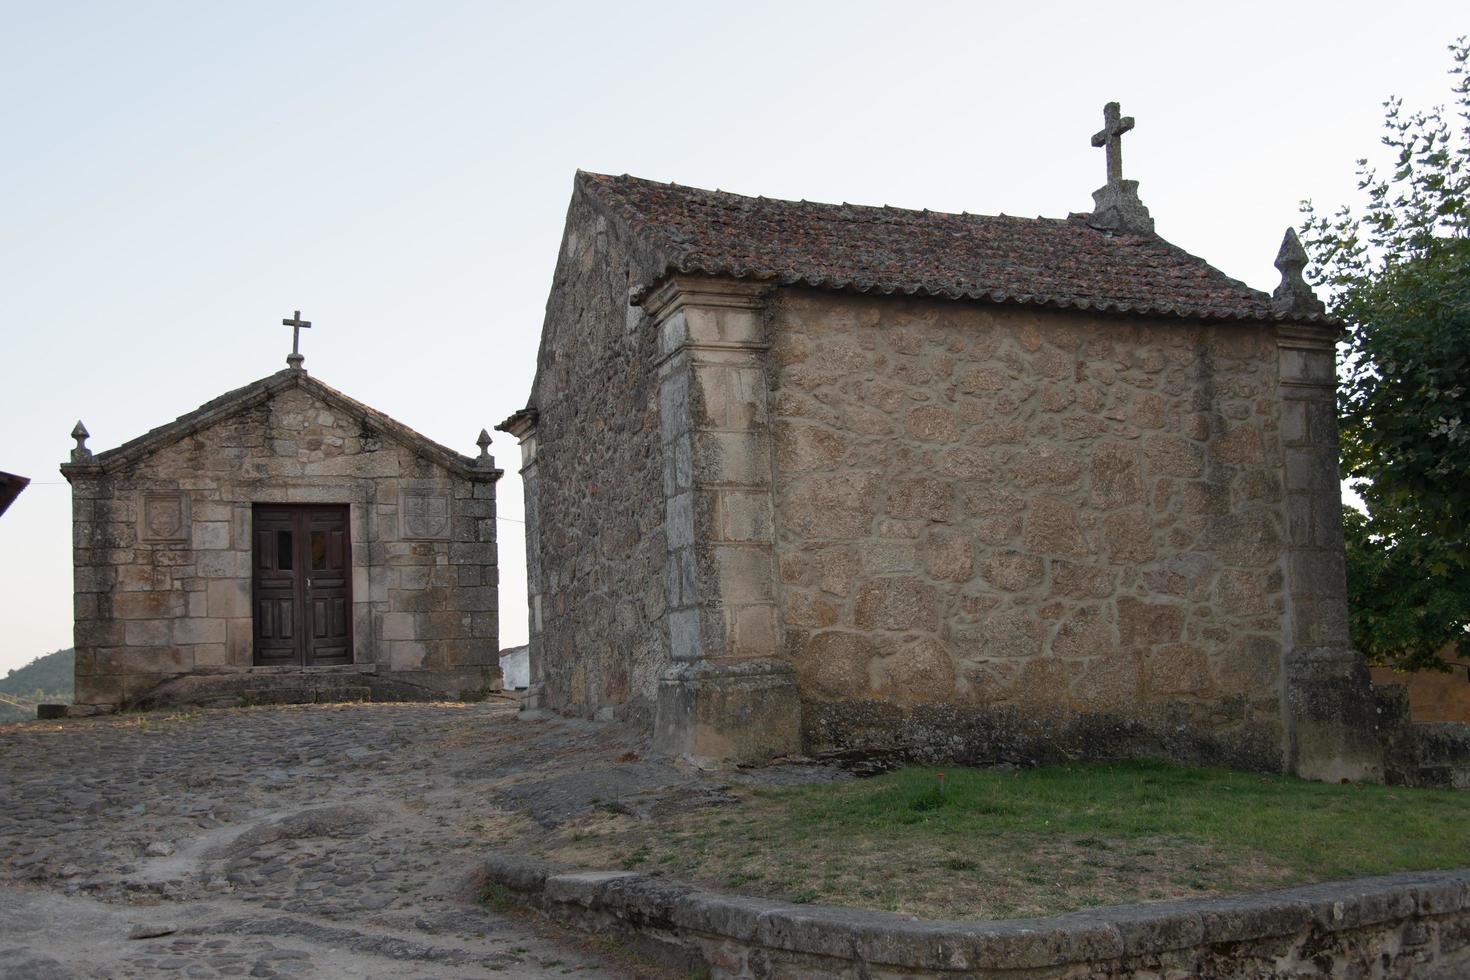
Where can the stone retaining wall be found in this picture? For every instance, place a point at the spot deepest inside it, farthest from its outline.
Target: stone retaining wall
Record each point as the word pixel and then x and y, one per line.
pixel 1414 924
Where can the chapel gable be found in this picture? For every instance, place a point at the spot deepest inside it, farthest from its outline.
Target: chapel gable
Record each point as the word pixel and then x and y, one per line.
pixel 282 542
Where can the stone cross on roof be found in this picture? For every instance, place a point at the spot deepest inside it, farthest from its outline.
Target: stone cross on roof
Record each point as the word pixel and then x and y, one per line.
pixel 1116 206
pixel 1111 136
pixel 294 359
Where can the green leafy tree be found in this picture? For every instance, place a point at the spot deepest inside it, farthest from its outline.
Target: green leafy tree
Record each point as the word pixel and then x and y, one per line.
pixel 1397 272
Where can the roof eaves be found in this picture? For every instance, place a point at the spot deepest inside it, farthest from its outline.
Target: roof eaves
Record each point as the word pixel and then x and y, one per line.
pixel 520 422
pixel 1173 311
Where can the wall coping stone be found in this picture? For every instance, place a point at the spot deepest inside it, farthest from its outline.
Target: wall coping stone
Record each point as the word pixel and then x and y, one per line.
pixel 941 945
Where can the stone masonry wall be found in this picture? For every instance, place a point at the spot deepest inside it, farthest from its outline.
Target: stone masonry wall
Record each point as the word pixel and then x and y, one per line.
pixel 596 542
pixel 152 606
pixel 990 516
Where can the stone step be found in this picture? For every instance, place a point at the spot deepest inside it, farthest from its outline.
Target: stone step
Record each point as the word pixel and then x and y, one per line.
pixel 306 693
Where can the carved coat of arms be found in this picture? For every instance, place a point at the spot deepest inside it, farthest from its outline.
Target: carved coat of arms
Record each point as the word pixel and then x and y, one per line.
pixel 165 517
pixel 425 515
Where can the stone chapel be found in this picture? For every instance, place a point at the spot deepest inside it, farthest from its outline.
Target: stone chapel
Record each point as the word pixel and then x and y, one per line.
pixel 820 478
pixel 282 542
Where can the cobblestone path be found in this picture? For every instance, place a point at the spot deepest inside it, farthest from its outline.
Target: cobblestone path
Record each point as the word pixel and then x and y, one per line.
pixel 305 841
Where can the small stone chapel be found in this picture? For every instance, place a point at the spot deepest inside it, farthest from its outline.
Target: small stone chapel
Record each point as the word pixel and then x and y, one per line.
pixel 282 542
pixel 821 478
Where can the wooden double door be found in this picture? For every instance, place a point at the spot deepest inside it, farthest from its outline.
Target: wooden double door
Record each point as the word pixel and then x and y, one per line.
pixel 302 593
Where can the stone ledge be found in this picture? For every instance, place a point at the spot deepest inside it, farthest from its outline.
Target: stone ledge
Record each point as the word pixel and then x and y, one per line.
pixel 330 669
pixel 1393 909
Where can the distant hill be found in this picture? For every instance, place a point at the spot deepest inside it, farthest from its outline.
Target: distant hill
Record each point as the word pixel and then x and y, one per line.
pixel 51 675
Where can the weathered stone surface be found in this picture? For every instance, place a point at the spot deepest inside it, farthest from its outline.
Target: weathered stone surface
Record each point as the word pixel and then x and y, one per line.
pixel 895 604
pixel 1005 633
pixel 1241 446
pixel 1144 624
pixel 949 555
pixel 1109 683
pixel 834 664
pixel 913 670
pixel 1013 571
pixel 925 499
pixel 1128 537
pixel 840 505
pixel 1057 468
pixel 1170 455
pixel 933 424
pixel 1087 632
pixel 1052 528
pixel 1115 475
pixel 1176 668
pixel 1251 664
pixel 802 447
pixel 1078 581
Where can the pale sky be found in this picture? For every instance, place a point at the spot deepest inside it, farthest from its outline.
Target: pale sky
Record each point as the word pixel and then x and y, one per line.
pixel 177 177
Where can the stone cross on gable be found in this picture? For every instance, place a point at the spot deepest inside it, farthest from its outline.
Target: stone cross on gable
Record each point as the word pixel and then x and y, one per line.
pixel 296 324
pixel 1116 207
pixel 1111 136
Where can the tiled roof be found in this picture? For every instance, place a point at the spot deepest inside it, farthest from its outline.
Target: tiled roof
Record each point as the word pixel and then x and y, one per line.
pixel 1055 262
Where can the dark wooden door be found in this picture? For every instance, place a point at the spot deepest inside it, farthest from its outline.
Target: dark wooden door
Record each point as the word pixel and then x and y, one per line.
pixel 303 585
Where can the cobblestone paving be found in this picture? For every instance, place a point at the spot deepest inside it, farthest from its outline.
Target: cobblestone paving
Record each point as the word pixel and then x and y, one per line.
pixel 303 841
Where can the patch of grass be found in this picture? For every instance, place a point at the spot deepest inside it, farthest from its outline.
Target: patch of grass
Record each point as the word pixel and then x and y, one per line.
pixel 500 898
pixel 1037 841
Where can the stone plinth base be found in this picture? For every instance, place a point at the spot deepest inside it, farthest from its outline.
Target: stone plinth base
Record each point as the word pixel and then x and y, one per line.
pixel 1337 730
pixel 309 685
pixel 739 713
pixel 878 734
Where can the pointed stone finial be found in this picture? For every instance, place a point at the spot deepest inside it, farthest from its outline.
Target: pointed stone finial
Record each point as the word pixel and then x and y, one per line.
pixel 1115 205
pixel 1294 297
pixel 484 459
pixel 81 454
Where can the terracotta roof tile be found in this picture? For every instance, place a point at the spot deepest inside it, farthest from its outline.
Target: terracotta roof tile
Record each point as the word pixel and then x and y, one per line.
pixel 1058 262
